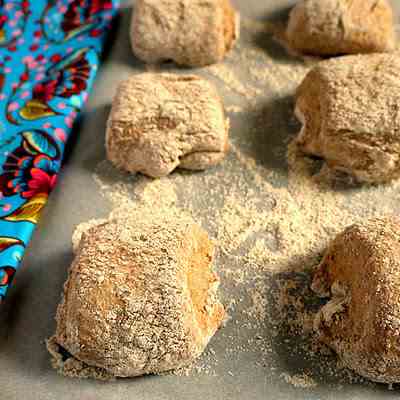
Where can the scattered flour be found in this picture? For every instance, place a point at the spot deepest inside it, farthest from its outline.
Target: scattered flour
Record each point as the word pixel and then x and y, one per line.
pixel 271 224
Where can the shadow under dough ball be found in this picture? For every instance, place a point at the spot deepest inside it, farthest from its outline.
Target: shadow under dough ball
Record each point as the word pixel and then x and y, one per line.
pixel 141 298
pixel 190 32
pixel 159 122
pixel 335 27
pixel 360 274
pixel 349 107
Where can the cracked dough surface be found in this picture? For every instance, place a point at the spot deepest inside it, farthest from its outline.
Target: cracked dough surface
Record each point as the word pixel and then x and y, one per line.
pixel 349 108
pixel 360 274
pixel 141 298
pixel 159 122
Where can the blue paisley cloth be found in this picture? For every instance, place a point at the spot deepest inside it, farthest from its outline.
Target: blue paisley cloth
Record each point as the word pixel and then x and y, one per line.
pixel 49 56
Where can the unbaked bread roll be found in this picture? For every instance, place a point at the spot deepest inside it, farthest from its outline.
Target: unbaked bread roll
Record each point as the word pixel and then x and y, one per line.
pixel 337 27
pixel 159 122
pixel 360 273
pixel 349 110
pixel 190 32
pixel 141 298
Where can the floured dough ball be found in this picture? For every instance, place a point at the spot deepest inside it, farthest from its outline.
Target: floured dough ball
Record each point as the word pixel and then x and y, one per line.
pixel 141 298
pixel 360 272
pixel 190 32
pixel 161 121
pixel 336 27
pixel 349 110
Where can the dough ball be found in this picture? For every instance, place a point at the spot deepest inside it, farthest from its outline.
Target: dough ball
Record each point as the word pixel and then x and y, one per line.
pixel 161 121
pixel 141 298
pixel 349 110
pixel 190 32
pixel 335 27
pixel 360 273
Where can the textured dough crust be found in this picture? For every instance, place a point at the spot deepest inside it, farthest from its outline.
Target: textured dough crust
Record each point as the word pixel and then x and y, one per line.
pixel 360 273
pixel 159 122
pixel 141 297
pixel 190 32
pixel 336 27
pixel 349 110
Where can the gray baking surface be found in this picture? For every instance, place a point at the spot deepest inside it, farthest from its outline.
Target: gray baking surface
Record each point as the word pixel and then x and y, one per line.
pixel 27 317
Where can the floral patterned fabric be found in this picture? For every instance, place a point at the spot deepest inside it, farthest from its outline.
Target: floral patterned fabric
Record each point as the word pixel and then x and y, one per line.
pixel 49 56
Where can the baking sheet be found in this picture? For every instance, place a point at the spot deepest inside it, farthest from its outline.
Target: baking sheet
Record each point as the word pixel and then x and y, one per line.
pixel 249 358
